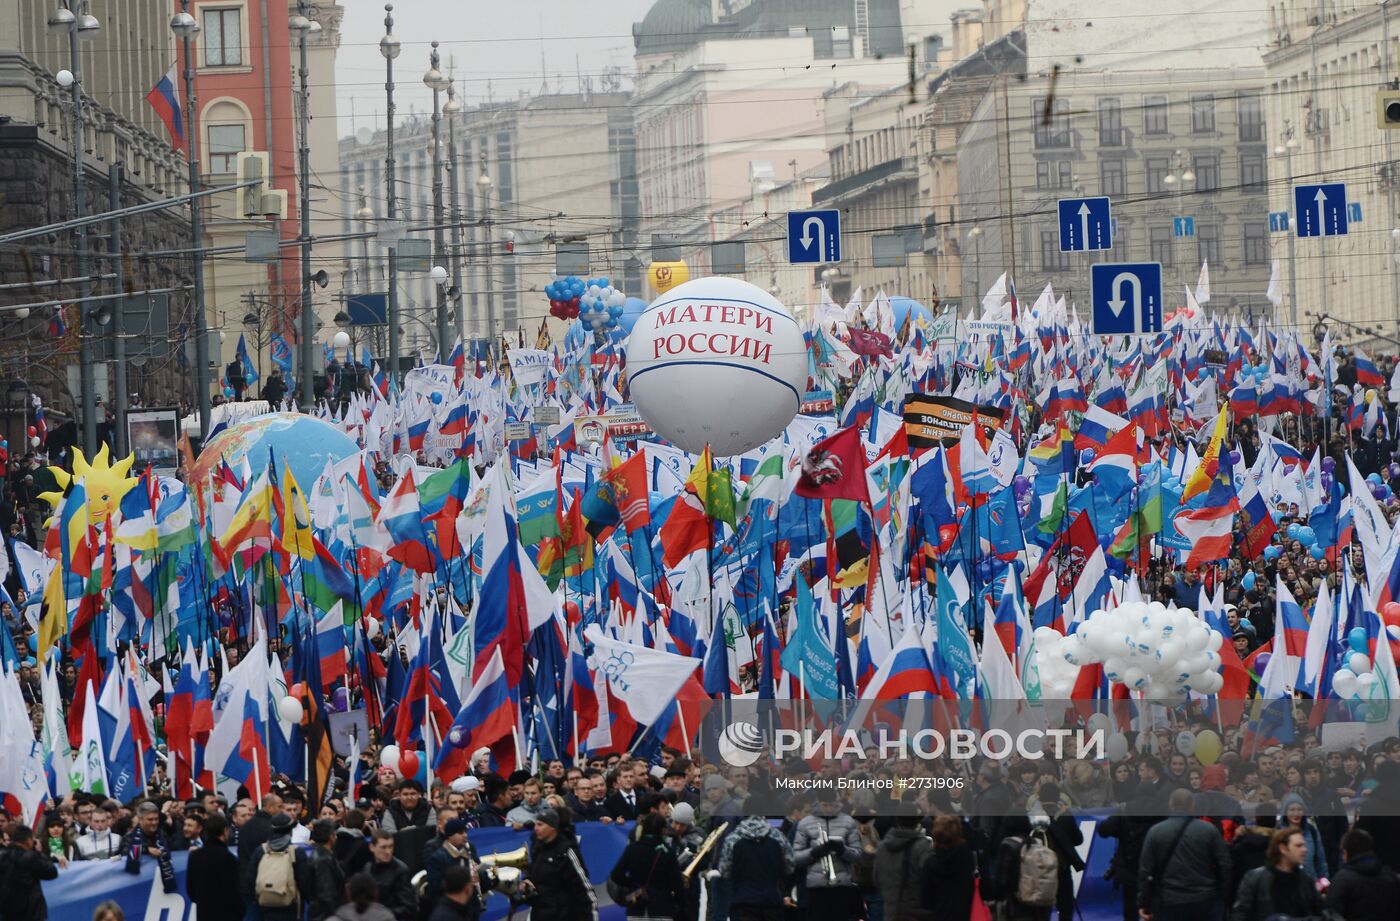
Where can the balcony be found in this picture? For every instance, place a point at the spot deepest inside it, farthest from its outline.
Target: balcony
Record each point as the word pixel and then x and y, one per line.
pixel 900 169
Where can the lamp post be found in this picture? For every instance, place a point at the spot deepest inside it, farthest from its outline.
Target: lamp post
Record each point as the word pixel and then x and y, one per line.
pixel 1285 150
pixel 450 110
pixel 976 234
pixel 1177 180
pixel 483 189
pixel 185 29
pixel 82 26
pixel 389 47
pixel 304 26
pixel 436 81
pixel 252 322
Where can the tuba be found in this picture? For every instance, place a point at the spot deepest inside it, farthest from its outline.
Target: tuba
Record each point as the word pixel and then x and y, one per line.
pixel 505 871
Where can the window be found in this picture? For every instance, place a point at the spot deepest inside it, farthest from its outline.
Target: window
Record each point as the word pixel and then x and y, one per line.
pixel 1051 259
pixel 1154 115
pixel 1256 243
pixel 1251 115
pixel 1203 114
pixel 1162 247
pixel 1053 174
pixel 1110 123
pixel 1157 170
pixel 1207 170
pixel 1112 178
pixel 223 38
pixel 1052 131
pixel 1252 172
pixel 841 42
pixel 226 142
pixel 1208 245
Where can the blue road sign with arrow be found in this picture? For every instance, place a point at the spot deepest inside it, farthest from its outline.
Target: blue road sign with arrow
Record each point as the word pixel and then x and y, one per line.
pixel 1127 298
pixel 1354 212
pixel 814 236
pixel 1278 221
pixel 1184 226
pixel 1322 209
pixel 1085 224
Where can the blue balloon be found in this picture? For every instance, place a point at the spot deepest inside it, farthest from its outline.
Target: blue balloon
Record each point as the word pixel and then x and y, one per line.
pixel 903 306
pixel 1317 552
pixel 1292 530
pixel 632 308
pixel 1273 552
pixel 1373 478
pixel 1247 582
pixel 437 398
pixel 604 283
pixel 1358 640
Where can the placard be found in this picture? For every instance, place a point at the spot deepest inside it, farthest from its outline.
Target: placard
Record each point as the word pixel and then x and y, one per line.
pixel 930 421
pixel 154 435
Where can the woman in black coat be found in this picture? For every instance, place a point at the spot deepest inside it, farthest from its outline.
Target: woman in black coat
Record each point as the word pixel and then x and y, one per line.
pixel 949 873
pixel 647 878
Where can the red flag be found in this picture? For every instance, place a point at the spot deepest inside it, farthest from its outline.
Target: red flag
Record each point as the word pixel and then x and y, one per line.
pixel 835 468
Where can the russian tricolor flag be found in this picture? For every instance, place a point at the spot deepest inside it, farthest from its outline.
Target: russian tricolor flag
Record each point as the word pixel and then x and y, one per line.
pixel 487 718
pixel 1367 374
pixel 166 101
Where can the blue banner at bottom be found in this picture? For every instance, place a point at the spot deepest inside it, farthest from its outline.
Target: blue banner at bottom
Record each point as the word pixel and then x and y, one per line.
pixel 83 886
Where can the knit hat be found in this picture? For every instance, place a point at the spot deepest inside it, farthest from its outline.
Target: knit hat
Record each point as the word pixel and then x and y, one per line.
pixel 548 816
pixel 1214 777
pixel 683 814
pixel 454 827
pixel 715 782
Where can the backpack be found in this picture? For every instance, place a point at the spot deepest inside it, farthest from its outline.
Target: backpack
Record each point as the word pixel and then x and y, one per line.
pixel 1038 876
pixel 276 885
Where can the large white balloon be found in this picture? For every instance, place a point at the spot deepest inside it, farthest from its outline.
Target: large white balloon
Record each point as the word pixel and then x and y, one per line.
pixel 717 361
pixel 290 709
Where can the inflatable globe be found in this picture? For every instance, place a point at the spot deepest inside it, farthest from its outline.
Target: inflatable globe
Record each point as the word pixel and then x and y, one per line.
pixel 717 361
pixel 301 442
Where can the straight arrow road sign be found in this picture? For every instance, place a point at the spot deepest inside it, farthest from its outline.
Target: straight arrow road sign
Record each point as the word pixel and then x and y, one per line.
pixel 1085 224
pixel 1321 209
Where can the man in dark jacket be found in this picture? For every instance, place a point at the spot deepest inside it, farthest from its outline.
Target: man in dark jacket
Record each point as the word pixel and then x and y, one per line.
pixel 1282 887
pixel 756 858
pixel 212 877
pixel 1364 889
pixel 454 851
pixel 391 876
pixel 252 836
pixel 351 847
pixel 1130 827
pixel 1379 814
pixel 458 897
pixel 409 809
pixel 1184 869
pixel 326 890
pixel 23 869
pixel 899 869
pixel 556 877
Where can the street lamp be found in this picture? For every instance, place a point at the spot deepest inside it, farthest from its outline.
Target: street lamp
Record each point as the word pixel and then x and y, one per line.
pixel 450 109
pixel 389 48
pixel 1285 150
pixel 301 24
pixel 436 81
pixel 976 234
pixel 185 28
pixel 1177 180
pixel 80 26
pixel 483 189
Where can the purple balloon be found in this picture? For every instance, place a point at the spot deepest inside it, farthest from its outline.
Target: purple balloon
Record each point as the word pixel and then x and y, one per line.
pixel 340 700
pixel 1261 662
pixel 1236 457
pixel 1378 490
pixel 1326 481
pixel 1394 470
pixel 1329 464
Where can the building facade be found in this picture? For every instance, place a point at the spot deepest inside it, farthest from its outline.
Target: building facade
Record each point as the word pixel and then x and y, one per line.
pixel 1324 64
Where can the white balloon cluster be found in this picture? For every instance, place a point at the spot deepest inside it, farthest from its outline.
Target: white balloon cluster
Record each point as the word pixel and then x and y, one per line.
pixel 1355 679
pixel 1057 674
pixel 1163 652
pixel 601 305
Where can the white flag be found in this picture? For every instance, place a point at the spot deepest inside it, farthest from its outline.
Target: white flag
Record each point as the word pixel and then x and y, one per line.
pixel 1274 294
pixel 1203 283
pixel 647 680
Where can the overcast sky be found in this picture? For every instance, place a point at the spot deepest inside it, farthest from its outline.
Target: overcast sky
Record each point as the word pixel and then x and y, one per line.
pixel 496 45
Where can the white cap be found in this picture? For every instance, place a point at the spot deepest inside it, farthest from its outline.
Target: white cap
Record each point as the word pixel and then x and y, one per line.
pixel 465 784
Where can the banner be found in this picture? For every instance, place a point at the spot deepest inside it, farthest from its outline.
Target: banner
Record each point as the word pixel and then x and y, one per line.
pixel 622 424
pixel 930 421
pixel 529 366
pixel 83 886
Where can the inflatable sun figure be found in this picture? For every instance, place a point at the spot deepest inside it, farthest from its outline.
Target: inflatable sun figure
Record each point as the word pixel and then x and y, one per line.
pixel 106 483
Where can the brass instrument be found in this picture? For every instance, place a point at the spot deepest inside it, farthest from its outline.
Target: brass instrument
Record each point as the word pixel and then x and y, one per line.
pixel 705 847
pixel 419 882
pixel 828 863
pixel 505 871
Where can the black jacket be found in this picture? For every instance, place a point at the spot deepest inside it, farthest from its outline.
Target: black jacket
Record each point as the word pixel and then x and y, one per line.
pixel 326 890
pixel 616 806
pixel 949 875
pixel 1130 827
pixel 648 864
pixel 212 883
pixel 1248 851
pixel 1197 870
pixel 351 848
pixel 395 887
pixel 448 910
pixel 562 889
pixel 1255 901
pixel 1364 890
pixel 251 837
pixel 758 861
pixel 22 872
pixel 1379 814
pixel 899 872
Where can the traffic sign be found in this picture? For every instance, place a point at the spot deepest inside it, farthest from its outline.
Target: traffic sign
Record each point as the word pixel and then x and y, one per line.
pixel 1085 224
pixel 1322 209
pixel 814 236
pixel 1278 221
pixel 1127 297
pixel 1354 212
pixel 1184 226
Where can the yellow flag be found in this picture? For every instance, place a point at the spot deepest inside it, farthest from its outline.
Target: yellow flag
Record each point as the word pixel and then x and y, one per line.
pixel 296 518
pixel 53 625
pixel 1210 464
